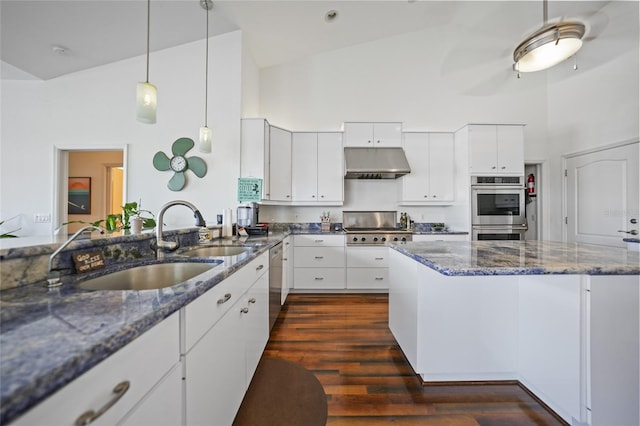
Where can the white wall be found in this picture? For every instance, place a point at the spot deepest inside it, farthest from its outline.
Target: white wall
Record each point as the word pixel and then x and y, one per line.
pixel 96 107
pixel 597 105
pixel 407 78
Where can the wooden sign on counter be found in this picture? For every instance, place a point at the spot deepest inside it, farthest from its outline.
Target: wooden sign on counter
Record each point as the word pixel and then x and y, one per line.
pixel 86 262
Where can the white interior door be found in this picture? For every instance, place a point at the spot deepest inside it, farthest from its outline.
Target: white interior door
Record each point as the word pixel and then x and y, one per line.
pixel 602 195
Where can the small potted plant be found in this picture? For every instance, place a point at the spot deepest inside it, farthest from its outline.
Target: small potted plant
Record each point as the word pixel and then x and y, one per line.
pixel 133 216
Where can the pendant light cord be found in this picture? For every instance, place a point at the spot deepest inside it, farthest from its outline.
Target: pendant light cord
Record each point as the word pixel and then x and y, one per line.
pixel 148 34
pixel 545 14
pixel 206 66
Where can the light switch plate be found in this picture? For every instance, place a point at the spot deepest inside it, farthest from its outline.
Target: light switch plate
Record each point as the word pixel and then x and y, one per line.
pixel 42 218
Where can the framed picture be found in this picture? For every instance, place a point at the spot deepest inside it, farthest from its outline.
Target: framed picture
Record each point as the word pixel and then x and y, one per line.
pixel 79 195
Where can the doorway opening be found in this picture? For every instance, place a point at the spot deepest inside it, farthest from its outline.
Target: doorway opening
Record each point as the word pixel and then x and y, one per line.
pixel 102 171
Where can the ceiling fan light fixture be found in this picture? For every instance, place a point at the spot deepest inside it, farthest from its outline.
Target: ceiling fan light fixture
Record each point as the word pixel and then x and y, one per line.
pixel 548 46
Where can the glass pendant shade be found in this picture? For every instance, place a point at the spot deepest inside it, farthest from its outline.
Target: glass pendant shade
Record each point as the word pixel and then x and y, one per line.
pixel 204 144
pixel 548 46
pixel 147 100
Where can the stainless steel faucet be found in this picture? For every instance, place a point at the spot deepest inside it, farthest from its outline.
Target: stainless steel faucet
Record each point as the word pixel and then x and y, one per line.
pixel 171 245
pixel 53 280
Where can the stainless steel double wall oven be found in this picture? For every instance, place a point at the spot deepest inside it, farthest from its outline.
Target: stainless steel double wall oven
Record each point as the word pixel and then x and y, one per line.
pixel 497 208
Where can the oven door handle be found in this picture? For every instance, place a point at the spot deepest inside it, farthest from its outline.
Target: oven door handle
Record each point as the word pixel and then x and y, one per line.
pixel 514 226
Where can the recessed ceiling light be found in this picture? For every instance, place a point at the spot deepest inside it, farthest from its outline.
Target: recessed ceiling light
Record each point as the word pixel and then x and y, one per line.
pixel 331 15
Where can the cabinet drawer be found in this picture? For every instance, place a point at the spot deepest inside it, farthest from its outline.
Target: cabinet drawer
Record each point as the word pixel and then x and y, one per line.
pixel 206 310
pixel 368 278
pixel 319 240
pixel 367 257
pixel 444 237
pixel 142 363
pixel 319 278
pixel 319 257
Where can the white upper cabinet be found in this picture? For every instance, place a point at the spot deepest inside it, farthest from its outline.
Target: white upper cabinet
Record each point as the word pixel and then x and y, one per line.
pixel 496 149
pixel 317 168
pixel 254 152
pixel 432 177
pixel 372 134
pixel 279 165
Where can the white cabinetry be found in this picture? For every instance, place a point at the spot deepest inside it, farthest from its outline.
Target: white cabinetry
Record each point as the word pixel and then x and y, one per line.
pixel 153 394
pixel 317 168
pixel 372 134
pixel 496 149
pixel 432 177
pixel 266 154
pixel 319 262
pixel 226 331
pixel 280 165
pixel 254 152
pixel 367 268
pixel 287 267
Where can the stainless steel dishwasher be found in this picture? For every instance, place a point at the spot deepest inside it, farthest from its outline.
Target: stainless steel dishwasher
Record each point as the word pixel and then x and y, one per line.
pixel 275 283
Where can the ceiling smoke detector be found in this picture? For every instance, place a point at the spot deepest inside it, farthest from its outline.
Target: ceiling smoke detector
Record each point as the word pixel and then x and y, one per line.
pixel 331 15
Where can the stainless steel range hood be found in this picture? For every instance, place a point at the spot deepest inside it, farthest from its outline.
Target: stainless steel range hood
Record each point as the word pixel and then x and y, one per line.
pixel 375 163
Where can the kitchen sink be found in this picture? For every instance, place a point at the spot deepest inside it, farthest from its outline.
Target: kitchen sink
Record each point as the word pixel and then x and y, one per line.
pixel 214 251
pixel 148 277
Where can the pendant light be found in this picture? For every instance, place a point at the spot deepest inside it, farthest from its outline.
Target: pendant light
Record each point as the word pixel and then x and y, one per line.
pixel 204 143
pixel 550 45
pixel 147 93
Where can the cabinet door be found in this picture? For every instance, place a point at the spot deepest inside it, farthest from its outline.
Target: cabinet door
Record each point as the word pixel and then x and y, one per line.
pixel 280 165
pixel 415 184
pixel 159 406
pixel 287 268
pixel 254 160
pixel 330 167
pixel 441 167
pixel 387 134
pixel 304 166
pixel 482 149
pixel 215 370
pixel 256 324
pixel 358 134
pixel 510 145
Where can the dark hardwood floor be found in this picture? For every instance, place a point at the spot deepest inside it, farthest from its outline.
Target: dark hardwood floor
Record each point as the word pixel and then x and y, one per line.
pixel 344 339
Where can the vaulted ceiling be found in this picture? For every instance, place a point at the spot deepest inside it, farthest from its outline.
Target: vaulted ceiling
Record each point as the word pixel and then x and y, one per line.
pixel 50 38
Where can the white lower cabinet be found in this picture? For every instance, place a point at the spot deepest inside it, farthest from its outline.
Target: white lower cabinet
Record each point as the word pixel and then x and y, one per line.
pixel 220 364
pixel 319 262
pixel 368 268
pixel 148 365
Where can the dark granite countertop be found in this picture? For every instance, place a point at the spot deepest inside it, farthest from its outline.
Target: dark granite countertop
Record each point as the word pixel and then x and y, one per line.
pixel 521 258
pixel 48 337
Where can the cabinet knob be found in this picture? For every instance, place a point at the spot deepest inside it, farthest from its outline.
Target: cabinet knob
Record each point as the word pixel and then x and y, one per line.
pixel 259 267
pixel 493 167
pixel 503 167
pixel 369 141
pixel 313 196
pixel 252 300
pixel 244 310
pixel 378 141
pixel 634 221
pixel 89 416
pixel 288 196
pixel 433 196
pixel 322 196
pixel 426 196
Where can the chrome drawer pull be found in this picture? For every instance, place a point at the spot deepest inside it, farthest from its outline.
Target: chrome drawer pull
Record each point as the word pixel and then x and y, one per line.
pixel 252 300
pixel 319 257
pixel 224 299
pixel 379 258
pixel 319 241
pixel 379 278
pixel 319 278
pixel 89 416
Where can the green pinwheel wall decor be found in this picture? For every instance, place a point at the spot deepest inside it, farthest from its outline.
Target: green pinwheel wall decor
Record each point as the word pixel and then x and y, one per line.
pixel 179 164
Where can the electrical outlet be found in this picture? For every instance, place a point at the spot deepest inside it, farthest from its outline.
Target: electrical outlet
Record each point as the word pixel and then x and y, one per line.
pixel 42 218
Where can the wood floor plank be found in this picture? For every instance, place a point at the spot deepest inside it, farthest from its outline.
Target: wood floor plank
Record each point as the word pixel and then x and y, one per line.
pixel 345 341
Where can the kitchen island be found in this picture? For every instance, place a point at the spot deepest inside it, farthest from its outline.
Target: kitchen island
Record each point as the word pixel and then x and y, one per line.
pixel 561 319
